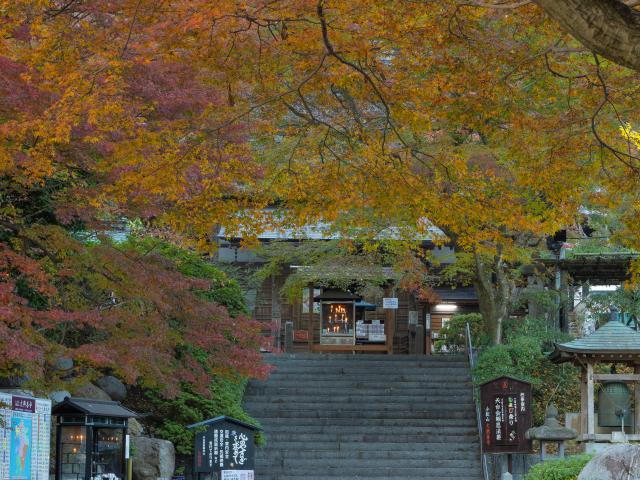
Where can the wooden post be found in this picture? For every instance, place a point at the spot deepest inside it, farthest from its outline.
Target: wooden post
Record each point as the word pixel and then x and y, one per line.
pixel 288 337
pixel 419 339
pixel 591 424
pixel 636 403
pixel 310 324
pixel 583 401
pixel 389 327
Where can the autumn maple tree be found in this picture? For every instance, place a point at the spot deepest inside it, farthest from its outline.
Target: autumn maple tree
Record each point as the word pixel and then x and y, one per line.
pixel 491 124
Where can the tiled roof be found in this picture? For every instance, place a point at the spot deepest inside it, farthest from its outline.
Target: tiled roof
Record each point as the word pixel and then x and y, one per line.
pixel 93 407
pixel 612 338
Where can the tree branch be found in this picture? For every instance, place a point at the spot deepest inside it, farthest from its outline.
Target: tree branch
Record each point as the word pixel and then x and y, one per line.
pixel 610 28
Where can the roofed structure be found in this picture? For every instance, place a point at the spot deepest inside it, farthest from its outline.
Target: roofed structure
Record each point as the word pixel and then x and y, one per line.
pixel 86 406
pixel 614 341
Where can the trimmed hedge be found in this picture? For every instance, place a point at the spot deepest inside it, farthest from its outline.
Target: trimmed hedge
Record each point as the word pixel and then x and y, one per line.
pixel 566 469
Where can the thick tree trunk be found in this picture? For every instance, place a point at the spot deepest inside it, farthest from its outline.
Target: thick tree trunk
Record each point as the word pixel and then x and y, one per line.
pixel 494 289
pixel 607 27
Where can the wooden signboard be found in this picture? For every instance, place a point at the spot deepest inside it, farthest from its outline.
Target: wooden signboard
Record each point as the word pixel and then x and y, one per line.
pixel 506 415
pixel 226 449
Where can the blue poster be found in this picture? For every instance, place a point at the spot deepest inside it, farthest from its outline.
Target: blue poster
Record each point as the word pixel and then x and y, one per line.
pixel 20 463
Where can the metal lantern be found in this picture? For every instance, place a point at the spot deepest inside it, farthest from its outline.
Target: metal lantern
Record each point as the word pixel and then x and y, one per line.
pixel 613 405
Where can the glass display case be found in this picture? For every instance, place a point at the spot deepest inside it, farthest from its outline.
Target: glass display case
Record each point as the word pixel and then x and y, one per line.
pixel 338 323
pixel 73 452
pixel 91 439
pixel 337 317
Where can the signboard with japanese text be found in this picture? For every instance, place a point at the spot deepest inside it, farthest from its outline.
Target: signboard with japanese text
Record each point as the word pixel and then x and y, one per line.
pixel 237 475
pixel 25 436
pixel 390 303
pixel 224 447
pixel 506 415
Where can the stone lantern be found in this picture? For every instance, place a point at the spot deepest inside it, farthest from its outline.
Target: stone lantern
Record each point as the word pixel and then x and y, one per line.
pixel 551 431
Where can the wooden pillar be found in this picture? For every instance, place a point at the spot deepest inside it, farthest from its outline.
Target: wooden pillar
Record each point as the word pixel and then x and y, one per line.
pixel 288 336
pixel 636 403
pixel 310 324
pixel 583 401
pixel 591 420
pixel 389 327
pixel 276 311
pixel 419 339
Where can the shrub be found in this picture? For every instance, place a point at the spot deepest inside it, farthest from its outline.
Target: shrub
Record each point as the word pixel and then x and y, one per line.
pixel 453 336
pixel 565 469
pixel 169 417
pixel 523 356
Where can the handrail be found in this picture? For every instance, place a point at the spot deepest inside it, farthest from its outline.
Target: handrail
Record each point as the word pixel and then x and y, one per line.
pixel 472 365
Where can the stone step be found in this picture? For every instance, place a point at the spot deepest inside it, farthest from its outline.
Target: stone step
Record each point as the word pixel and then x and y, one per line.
pixel 329 408
pixel 296 358
pixel 357 384
pixel 303 422
pixel 434 445
pixel 356 415
pixel 371 401
pixel 392 472
pixel 352 417
pixel 432 429
pixel 345 438
pixel 372 374
pixel 425 389
pixel 433 453
pixel 385 367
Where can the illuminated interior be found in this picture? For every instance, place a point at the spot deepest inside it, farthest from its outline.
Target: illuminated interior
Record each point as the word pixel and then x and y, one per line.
pixel 337 320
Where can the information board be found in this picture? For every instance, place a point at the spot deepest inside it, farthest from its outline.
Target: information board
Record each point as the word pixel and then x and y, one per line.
pixel 237 475
pixel 390 303
pixel 506 415
pixel 25 436
pixel 224 446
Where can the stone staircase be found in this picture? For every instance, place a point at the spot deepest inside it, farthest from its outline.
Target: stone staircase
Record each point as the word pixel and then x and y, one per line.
pixel 340 416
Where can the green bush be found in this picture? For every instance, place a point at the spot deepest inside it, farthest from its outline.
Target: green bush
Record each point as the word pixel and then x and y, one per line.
pixel 169 417
pixel 523 355
pixel 223 290
pixel 453 336
pixel 565 469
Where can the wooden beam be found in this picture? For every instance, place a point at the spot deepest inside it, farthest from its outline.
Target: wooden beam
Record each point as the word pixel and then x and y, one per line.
pixel 591 423
pixel 381 347
pixel 616 377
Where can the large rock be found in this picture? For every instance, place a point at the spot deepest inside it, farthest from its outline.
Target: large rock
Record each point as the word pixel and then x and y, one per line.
pixel 89 390
pixel 63 364
pixel 114 387
pixel 153 458
pixel 614 463
pixel 17 391
pixel 14 381
pixel 58 396
pixel 135 428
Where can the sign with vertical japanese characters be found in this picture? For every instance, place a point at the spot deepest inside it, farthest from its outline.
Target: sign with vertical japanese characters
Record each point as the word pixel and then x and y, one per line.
pixel 226 446
pixel 506 415
pixel 25 436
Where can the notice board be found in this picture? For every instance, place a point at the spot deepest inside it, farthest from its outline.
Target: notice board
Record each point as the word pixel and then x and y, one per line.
pixel 225 446
pixel 25 436
pixel 506 415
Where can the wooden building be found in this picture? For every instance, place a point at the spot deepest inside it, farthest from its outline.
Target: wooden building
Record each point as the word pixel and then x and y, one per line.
pixel 373 328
